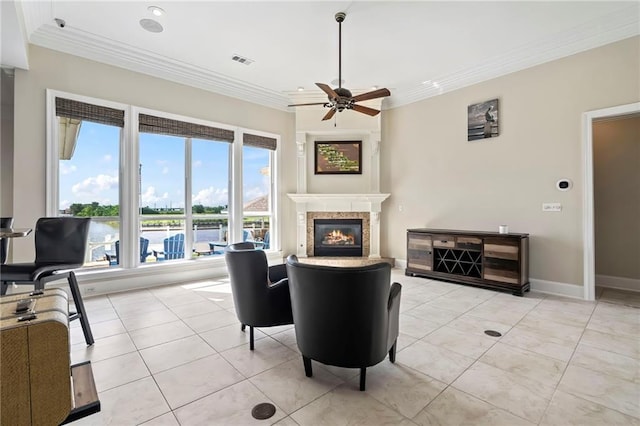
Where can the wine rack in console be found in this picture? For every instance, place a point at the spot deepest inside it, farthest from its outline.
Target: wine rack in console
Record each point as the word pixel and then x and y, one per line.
pixel 483 259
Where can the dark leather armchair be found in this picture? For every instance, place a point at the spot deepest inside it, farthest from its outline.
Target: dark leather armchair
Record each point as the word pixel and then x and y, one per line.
pixel 61 245
pixel 260 292
pixel 344 316
pixel 5 222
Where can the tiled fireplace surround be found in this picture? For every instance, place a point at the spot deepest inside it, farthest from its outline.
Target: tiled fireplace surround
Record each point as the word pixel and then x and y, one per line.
pixel 366 206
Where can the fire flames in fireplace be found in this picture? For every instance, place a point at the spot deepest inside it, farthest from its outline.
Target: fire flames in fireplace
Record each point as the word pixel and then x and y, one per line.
pixel 337 237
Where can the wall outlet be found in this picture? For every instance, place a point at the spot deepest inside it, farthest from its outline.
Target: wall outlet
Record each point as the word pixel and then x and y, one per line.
pixel 551 207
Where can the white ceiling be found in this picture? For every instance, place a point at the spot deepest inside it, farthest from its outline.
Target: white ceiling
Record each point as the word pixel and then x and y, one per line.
pixel 416 49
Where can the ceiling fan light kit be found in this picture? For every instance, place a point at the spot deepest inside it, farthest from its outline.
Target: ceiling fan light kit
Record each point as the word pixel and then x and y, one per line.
pixel 341 98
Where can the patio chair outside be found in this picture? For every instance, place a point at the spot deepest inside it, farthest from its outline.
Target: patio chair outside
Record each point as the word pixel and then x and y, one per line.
pixel 173 248
pixel 218 247
pixel 144 252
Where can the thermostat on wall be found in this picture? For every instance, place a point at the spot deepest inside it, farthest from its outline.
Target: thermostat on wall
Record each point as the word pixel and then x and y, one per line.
pixel 564 184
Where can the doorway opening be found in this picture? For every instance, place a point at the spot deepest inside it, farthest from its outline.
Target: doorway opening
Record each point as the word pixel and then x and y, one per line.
pixel 588 221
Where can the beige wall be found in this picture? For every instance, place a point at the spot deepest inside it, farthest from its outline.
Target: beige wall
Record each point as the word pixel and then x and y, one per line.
pixel 6 143
pixel 443 181
pixel 616 179
pixel 439 178
pixel 53 70
pixel 345 126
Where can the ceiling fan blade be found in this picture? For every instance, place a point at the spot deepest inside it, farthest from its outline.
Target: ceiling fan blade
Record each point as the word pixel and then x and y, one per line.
pixel 366 110
pixel 379 93
pixel 312 103
pixel 330 114
pixel 328 90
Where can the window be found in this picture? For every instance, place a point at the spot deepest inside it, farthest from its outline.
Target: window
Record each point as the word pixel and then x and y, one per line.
pixel 257 184
pixel 183 164
pixel 210 195
pixel 88 155
pixel 158 187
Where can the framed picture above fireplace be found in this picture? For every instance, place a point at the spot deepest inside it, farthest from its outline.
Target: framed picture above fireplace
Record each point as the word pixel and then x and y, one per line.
pixel 338 158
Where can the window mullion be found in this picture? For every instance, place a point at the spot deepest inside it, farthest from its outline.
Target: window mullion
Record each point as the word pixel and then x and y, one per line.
pixel 129 189
pixel 188 223
pixel 274 198
pixel 52 181
pixel 235 198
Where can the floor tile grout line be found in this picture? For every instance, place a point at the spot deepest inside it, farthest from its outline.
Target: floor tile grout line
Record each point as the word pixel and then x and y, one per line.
pixel 587 368
pixel 477 359
pixel 153 374
pixel 314 399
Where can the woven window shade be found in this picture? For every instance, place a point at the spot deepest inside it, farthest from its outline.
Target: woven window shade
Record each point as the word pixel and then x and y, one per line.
pixel 166 126
pixel 83 111
pixel 259 141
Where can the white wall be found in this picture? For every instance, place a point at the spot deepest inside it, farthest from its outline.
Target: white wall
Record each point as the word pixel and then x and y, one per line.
pixel 443 181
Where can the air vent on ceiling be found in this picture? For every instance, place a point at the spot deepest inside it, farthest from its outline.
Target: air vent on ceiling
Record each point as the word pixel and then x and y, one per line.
pixel 242 59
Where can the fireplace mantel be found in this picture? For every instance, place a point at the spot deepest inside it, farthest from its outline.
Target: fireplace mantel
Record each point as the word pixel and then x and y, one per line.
pixel 371 203
pixel 357 202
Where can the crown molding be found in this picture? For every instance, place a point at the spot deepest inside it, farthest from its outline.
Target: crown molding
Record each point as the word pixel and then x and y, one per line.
pixel 86 45
pixel 616 26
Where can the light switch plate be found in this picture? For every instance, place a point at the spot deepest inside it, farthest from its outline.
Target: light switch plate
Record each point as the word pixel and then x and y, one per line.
pixel 551 207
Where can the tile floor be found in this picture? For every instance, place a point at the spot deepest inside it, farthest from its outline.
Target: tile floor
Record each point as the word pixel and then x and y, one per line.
pixel 176 356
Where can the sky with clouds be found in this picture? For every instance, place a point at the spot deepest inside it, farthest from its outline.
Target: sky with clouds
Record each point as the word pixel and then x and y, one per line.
pixel 91 175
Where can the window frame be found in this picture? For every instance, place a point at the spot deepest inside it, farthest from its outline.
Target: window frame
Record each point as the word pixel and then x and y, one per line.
pixel 129 184
pixel 274 160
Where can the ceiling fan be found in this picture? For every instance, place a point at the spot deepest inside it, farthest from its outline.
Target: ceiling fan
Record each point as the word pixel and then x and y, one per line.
pixel 341 98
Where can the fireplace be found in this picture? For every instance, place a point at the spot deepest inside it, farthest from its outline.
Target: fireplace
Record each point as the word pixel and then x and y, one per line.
pixel 337 237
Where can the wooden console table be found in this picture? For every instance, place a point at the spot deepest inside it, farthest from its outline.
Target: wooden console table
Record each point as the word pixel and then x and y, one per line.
pixel 482 259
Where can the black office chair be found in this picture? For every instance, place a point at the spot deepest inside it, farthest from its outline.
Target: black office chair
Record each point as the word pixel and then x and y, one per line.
pixel 5 222
pixel 344 316
pixel 260 292
pixel 60 244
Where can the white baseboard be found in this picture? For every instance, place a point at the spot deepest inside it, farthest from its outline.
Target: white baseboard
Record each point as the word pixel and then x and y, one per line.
pixel 401 264
pixel 557 288
pixel 620 283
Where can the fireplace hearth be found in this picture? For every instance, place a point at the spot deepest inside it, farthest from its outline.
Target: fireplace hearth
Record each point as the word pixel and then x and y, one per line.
pixel 337 237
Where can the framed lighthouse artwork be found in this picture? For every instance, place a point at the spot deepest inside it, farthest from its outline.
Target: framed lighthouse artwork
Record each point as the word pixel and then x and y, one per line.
pixel 482 120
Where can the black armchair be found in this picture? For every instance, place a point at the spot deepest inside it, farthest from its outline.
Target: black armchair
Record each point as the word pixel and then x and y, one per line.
pixel 260 292
pixel 344 316
pixel 60 244
pixel 5 222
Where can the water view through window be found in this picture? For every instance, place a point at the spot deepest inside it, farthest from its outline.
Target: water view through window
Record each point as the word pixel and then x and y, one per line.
pixel 89 186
